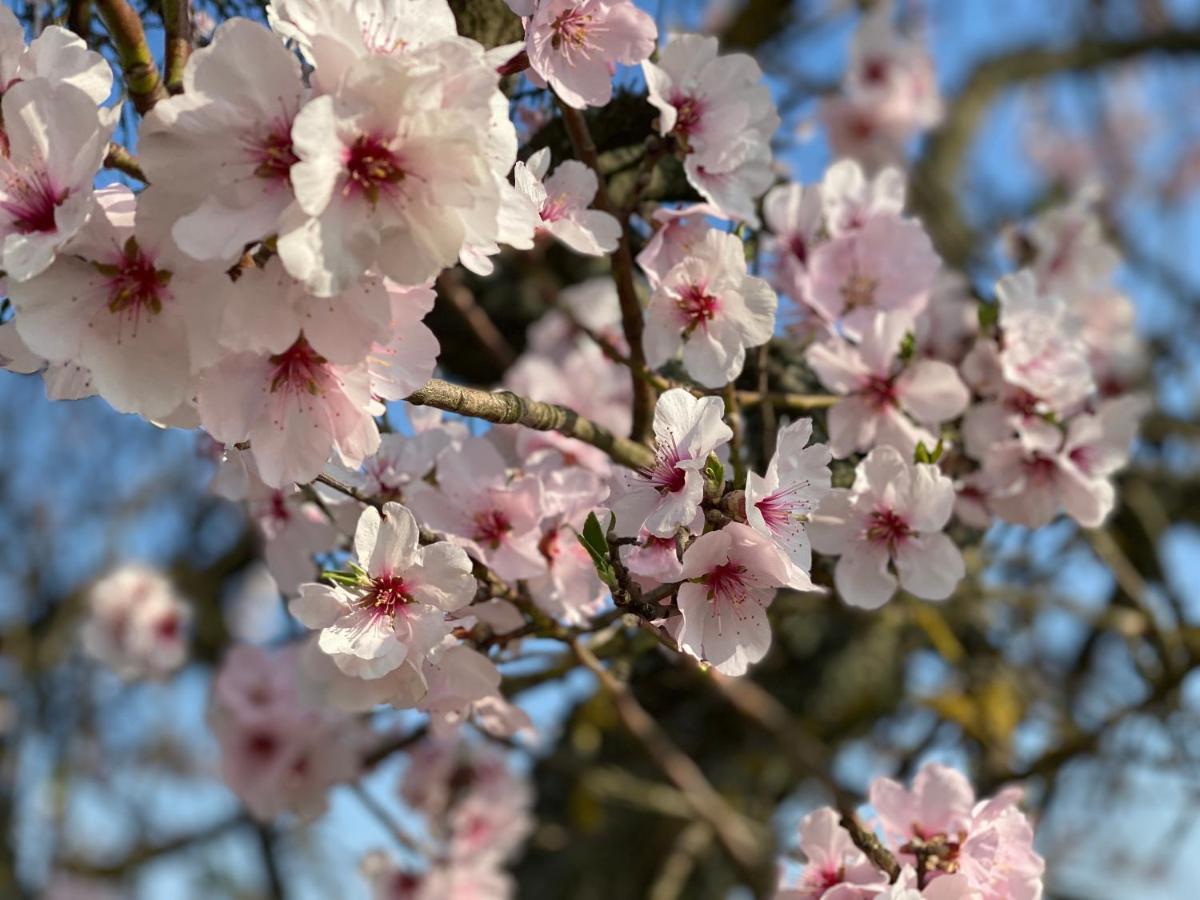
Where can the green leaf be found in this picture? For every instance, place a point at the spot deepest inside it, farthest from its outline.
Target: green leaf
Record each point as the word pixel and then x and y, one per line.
pixel 908 346
pixel 596 544
pixel 921 454
pixel 714 472
pixel 989 316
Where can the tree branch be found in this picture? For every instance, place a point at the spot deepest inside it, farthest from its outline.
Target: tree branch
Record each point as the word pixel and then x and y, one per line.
pixel 177 21
pixel 507 408
pixel 142 80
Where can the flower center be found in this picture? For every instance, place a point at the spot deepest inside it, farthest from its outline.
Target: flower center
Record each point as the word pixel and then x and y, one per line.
pixel 664 475
pixel 555 208
pixel 388 593
pixel 134 284
pixel 30 200
pixel 875 71
pixel 783 510
pixel 798 247
pixel 570 31
pixel 274 153
pixel 697 306
pixel 880 392
pixel 859 290
pixel 299 368
pixel 727 582
pixel 688 112
pixel 491 526
pixel 886 527
pixel 372 168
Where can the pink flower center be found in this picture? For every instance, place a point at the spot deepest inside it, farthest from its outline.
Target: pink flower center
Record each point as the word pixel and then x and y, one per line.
pixel 491 526
pixel 697 305
pixel 298 368
pixel 550 546
pixel 784 511
pixel 570 31
pixel 1022 403
pixel 880 392
pixel 168 627
pixel 859 290
pixel 387 594
pixel 798 247
pixel 886 527
pixel 875 70
pixel 372 168
pixel 664 475
pixel 262 746
pixel 30 200
pixel 555 208
pixel 727 582
pixel 134 284
pixel 689 112
pixel 274 153
pixel 1040 469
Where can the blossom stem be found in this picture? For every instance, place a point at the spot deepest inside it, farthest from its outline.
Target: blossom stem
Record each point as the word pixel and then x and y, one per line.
pixel 507 408
pixel 177 21
pixel 632 322
pixel 142 79
pixel 123 161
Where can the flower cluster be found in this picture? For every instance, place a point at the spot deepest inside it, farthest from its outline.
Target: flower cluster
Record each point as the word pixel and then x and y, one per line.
pixel 137 623
pixel 950 847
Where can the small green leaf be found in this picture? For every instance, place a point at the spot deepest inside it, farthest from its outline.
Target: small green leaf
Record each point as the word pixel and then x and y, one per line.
pixel 714 472
pixel 989 315
pixel 921 454
pixel 908 346
pixel 596 544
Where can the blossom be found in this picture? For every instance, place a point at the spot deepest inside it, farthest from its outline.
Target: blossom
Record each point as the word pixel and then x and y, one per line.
pixel 401 460
pixel 397 605
pixel 233 139
pixel 721 116
pixel 56 139
pixel 137 623
pixel 887 265
pixel 711 307
pixel 667 494
pixel 394 169
pixel 731 576
pixel 891 519
pixel 562 202
pixel 294 407
pixel 278 752
pixel 676 236
pixel 882 396
pixel 780 503
pixel 835 869
pixel 120 305
pixel 404 355
pixel 794 216
pixel 494 517
pixel 56 56
pixel 574 45
pixel 850 199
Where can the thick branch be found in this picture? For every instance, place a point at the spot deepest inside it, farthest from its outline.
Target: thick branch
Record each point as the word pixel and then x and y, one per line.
pixel 142 80
pixel 507 408
pixel 935 177
pixel 622 268
pixel 177 21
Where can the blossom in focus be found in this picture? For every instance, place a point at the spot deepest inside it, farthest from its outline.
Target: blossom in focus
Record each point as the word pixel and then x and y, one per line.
pixel 886 402
pixel 887 531
pixel 731 576
pixel 713 309
pixel 396 606
pixel 780 503
pixel 574 45
pixel 54 140
pixel 137 624
pixel 667 494
pixel 561 203
pixel 721 116
pixel 55 56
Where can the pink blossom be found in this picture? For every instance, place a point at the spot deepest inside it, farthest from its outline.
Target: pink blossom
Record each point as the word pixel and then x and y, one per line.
pixel 55 140
pixel 709 306
pixel 887 529
pixel 893 73
pixel 396 608
pixel 570 590
pixel 946 887
pixel 278 753
pixel 591 304
pixel 780 503
pixel 494 517
pixel 574 45
pixel 667 495
pixel 731 578
pixel 233 138
pixel 835 868
pixel 56 56
pixel 394 169
pixel 850 199
pixel 948 327
pixel 401 460
pixel 677 234
pixel 137 623
pixel 404 355
pixel 721 116
pixel 121 305
pixel 294 407
pixel 887 265
pixel 794 216
pixel 561 202
pixel 653 558
pixel 884 398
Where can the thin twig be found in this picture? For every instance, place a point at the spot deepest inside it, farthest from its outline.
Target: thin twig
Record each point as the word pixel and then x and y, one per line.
pixel 124 26
pixel 457 294
pixel 177 22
